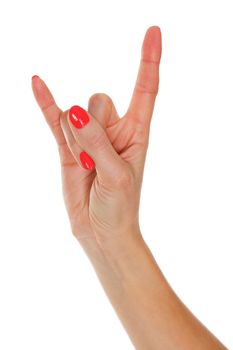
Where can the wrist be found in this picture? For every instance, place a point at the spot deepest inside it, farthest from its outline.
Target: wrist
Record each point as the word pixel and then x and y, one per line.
pixel 116 253
pixel 130 258
pixel 114 244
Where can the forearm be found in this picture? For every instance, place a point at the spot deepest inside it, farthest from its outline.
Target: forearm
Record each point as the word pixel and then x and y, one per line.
pixel 150 311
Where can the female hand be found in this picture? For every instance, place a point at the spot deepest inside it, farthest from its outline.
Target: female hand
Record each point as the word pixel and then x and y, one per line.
pixel 102 201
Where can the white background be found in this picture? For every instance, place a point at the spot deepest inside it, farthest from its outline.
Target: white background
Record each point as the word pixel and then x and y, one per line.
pixel 50 297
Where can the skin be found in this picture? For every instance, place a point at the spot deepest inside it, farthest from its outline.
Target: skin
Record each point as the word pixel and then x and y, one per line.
pixel 103 208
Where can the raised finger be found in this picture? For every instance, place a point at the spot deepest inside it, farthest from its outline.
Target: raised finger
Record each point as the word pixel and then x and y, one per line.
pixel 146 87
pixel 48 107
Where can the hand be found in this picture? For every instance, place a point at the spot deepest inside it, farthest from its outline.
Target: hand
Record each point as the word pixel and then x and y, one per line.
pixel 103 201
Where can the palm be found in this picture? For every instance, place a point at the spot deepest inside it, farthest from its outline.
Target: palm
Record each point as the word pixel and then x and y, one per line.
pixel 125 138
pixel 128 135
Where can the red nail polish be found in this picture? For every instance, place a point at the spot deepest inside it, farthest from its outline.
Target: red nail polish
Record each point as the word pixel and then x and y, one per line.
pixel 87 162
pixel 35 76
pixel 78 116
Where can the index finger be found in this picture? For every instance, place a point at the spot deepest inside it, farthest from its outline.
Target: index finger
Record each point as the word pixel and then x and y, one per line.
pixel 146 87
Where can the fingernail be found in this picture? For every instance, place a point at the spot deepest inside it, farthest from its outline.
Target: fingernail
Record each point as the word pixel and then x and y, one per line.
pixel 87 162
pixel 35 76
pixel 78 116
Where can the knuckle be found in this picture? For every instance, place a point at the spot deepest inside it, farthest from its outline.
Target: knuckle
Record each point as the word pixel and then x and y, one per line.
pixel 151 62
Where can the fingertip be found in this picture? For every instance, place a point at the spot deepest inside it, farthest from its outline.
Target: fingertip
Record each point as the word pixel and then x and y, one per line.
pixel 153 34
pixel 152 44
pixel 36 82
pixel 155 29
pixel 34 77
pixel 78 116
pixel 86 161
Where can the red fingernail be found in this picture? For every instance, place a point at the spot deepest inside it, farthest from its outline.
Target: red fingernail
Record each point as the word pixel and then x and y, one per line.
pixel 78 116
pixel 87 162
pixel 35 76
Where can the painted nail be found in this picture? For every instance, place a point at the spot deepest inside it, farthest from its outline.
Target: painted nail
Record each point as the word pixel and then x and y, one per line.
pixel 78 116
pixel 87 162
pixel 35 76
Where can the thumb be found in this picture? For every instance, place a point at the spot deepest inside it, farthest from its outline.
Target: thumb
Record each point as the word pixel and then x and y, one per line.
pixel 101 107
pixel 110 167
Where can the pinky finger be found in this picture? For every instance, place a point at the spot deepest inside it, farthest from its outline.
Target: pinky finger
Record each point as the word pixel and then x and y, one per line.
pixel 49 108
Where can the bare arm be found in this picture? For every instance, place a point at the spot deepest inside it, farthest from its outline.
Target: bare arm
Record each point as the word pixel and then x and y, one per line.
pixel 152 314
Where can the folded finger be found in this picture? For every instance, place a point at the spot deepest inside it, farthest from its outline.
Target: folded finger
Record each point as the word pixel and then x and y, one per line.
pixel 93 139
pixel 82 158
